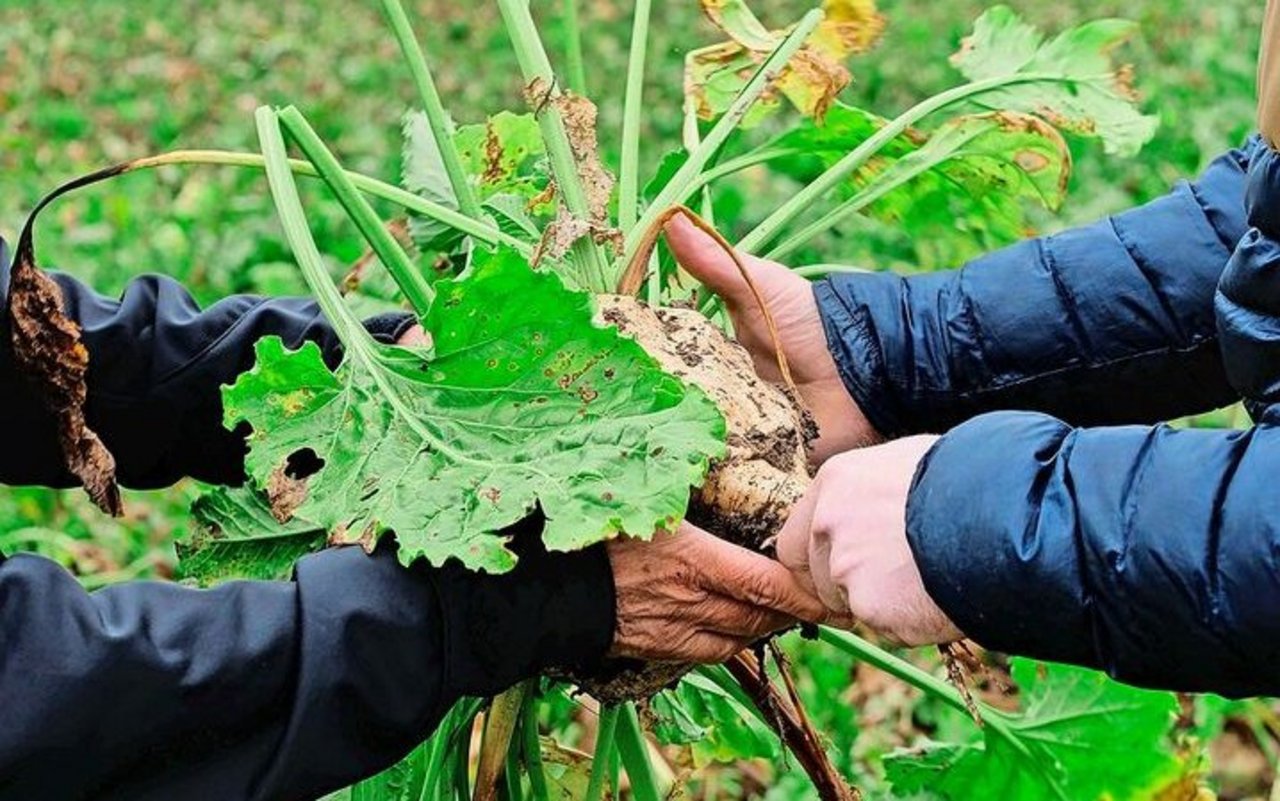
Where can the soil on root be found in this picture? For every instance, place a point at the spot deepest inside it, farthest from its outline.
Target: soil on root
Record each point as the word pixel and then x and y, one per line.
pixel 748 494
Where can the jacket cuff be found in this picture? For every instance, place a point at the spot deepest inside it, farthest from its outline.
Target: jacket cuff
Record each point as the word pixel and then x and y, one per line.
pixel 554 610
pixel 389 327
pixel 994 546
pixel 848 312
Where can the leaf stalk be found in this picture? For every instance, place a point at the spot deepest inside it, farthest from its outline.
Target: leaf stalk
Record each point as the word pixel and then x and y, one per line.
pixel 677 188
pixel 629 173
pixel 536 67
pixel 438 118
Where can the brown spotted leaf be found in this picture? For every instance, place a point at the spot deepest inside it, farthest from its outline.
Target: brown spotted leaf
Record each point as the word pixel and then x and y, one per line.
pixel 47 348
pixel 814 77
pixel 579 117
pixel 524 401
pixel 1070 80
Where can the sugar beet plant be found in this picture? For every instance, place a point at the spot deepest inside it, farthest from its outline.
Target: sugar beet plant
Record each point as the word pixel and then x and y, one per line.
pixel 606 400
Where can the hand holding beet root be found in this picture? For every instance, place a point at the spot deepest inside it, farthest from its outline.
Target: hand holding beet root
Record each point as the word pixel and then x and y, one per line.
pixel 847 541
pixel 690 597
pixel 841 423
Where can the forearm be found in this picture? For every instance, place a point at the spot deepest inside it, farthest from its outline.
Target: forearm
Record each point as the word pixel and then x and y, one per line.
pixel 1081 324
pixel 1148 552
pixel 267 690
pixel 156 365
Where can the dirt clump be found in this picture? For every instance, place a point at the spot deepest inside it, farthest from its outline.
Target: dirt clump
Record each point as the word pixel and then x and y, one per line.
pixel 748 494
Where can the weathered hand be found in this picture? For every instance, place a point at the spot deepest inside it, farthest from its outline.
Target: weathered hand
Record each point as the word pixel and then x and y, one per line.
pixel 690 597
pixel 790 299
pixel 847 540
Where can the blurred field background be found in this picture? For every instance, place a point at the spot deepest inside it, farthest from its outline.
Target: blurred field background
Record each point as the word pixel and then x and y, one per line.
pixel 84 83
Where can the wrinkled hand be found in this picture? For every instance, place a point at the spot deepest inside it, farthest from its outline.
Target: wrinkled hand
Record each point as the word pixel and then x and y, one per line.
pixel 690 597
pixel 841 423
pixel 847 540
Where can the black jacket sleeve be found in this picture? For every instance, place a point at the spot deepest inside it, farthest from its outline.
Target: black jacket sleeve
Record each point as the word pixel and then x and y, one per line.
pixel 156 364
pixel 267 690
pixel 1106 324
pixel 254 690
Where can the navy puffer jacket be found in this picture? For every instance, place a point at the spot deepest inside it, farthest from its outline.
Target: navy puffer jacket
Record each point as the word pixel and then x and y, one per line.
pixel 1058 518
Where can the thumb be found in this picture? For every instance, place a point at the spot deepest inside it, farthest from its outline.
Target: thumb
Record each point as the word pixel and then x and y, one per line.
pixel 792 544
pixel 705 259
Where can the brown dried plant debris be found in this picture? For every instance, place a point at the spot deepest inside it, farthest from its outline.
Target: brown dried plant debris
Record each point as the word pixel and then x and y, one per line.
pixel 47 348
pixel 579 116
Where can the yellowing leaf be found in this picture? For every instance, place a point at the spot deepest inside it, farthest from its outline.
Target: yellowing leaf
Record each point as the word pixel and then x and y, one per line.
pixel 1069 80
pixel 813 78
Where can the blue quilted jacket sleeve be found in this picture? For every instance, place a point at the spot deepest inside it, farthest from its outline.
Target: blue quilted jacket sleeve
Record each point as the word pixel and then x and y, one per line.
pixel 1110 323
pixel 253 690
pixel 1150 552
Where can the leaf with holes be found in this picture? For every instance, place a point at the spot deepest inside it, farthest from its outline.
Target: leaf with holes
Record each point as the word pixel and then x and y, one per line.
pixel 1080 737
pixel 520 404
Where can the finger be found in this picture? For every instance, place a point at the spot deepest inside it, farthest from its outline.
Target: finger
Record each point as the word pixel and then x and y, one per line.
pixel 833 595
pixel 704 258
pixel 415 337
pixel 758 580
pixel 734 618
pixel 793 541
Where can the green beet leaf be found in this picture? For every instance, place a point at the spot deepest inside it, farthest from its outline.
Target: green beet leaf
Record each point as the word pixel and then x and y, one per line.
pixel 504 154
pixel 958 191
pixel 423 173
pixel 235 536
pixel 1080 737
pixel 719 726
pixel 524 401
pixel 1070 80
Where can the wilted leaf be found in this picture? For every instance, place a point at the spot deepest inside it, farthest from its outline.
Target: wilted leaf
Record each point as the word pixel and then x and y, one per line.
pixel 48 350
pixel 578 115
pixel 714 723
pixel 1080 737
pixel 235 536
pixel 961 190
pixel 1071 80
pixel 568 772
pixel 521 403
pixel 814 77
pixel 512 216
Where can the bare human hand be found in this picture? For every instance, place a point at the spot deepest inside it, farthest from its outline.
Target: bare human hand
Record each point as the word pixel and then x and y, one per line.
pixel 690 597
pixel 846 540
pixel 841 424
pixel 415 337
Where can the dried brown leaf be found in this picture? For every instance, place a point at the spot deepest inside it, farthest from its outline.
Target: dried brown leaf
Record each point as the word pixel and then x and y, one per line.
pixel 814 76
pixel 578 115
pixel 47 348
